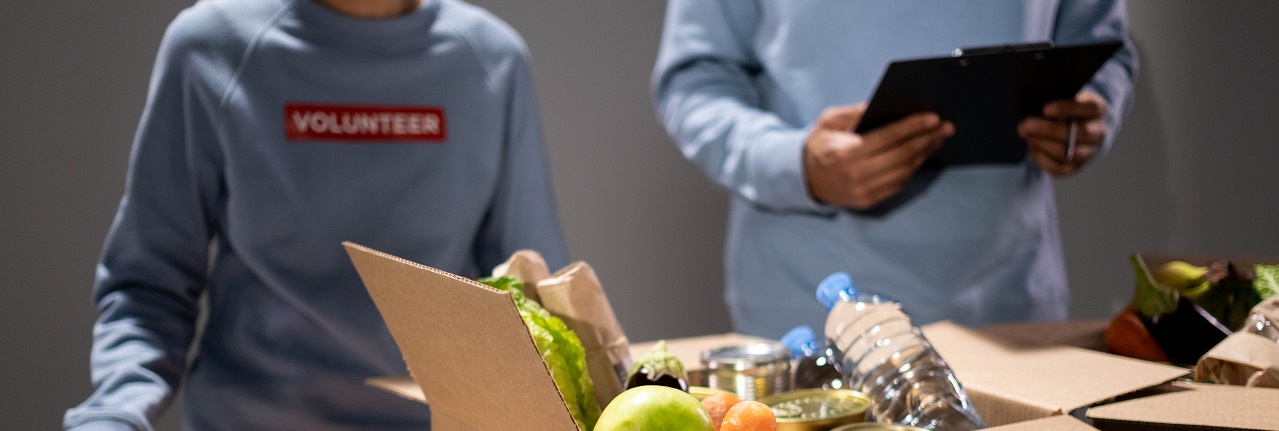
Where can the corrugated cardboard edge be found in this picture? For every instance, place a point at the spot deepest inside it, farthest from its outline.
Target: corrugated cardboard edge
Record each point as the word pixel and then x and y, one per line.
pixel 1055 423
pixel 1222 407
pixel 465 345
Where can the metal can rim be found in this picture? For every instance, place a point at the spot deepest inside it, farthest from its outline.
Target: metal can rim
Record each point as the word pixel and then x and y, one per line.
pixel 739 357
pixel 855 415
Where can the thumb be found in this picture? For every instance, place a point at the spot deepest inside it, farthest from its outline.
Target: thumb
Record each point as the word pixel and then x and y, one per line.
pixel 843 118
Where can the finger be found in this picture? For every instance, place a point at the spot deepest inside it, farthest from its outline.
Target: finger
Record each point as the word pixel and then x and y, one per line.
pixel 842 118
pixel 882 176
pixel 889 182
pixel 1054 150
pixel 890 136
pixel 1040 128
pixel 870 193
pixel 1051 156
pixel 1087 105
pixel 1050 165
pixel 909 154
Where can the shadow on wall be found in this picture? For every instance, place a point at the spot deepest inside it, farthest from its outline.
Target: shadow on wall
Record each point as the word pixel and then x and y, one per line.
pixel 1123 204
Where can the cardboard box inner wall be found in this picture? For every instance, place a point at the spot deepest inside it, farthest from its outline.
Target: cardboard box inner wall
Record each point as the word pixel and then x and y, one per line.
pixel 466 346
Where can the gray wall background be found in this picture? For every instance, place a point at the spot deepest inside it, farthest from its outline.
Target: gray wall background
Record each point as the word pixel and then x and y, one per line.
pixel 1193 170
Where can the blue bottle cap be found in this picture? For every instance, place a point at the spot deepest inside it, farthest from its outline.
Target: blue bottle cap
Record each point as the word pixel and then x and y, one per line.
pixel 835 288
pixel 800 340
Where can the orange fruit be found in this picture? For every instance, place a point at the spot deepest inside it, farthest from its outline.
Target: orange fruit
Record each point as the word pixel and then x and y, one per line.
pixel 749 416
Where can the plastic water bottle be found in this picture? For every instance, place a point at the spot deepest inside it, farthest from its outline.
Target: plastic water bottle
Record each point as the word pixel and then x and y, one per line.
pixel 813 366
pixel 884 356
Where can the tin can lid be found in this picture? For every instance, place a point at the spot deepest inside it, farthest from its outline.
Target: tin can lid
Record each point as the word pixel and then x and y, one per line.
pixel 876 426
pixel 746 356
pixel 817 408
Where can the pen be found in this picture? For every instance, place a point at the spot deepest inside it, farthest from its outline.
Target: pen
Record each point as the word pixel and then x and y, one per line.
pixel 1070 141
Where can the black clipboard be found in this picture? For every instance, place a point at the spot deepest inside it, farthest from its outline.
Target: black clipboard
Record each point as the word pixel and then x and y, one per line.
pixel 985 92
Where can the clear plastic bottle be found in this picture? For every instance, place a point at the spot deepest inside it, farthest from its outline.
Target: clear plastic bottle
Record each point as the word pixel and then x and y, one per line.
pixel 812 366
pixel 883 355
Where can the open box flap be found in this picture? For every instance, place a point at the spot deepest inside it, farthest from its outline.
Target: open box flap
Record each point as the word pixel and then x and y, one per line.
pixel 1006 377
pixel 465 345
pixel 1205 408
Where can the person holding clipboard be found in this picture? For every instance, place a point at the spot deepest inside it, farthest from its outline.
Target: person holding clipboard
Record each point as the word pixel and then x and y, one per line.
pixel 766 97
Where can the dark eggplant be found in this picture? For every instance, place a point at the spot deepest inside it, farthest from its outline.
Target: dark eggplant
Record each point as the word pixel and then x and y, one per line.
pixel 1186 333
pixel 658 367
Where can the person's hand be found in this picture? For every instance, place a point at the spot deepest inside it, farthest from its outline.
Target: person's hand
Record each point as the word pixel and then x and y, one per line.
pixel 1047 137
pixel 859 171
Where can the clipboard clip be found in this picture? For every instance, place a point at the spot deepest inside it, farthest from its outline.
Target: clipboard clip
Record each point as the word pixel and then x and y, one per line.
pixel 1001 49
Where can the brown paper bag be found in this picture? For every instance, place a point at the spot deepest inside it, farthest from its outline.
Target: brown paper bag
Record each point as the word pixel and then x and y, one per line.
pixel 1249 357
pixel 575 295
pixel 529 267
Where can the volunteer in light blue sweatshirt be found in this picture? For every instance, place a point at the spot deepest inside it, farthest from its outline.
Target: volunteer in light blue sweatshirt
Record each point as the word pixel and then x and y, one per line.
pixel 762 95
pixel 273 131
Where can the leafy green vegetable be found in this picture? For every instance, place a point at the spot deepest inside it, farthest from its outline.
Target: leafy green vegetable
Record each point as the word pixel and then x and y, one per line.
pixel 1267 281
pixel 1152 298
pixel 561 350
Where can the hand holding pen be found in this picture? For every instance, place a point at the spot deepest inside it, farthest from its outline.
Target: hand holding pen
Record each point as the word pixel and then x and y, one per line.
pixel 1068 135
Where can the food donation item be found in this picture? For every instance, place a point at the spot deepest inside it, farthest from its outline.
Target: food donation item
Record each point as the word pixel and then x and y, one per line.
pixel 1185 309
pixel 816 409
pixel 749 416
pixel 529 267
pixel 750 370
pixel 654 408
pixel 813 365
pixel 658 367
pixel 560 349
pixel 717 406
pixel 575 294
pixel 885 356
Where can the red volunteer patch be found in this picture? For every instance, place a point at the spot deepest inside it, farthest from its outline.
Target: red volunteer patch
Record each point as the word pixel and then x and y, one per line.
pixel 365 123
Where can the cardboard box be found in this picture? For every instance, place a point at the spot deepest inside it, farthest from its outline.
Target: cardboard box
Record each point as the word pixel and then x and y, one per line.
pixel 472 357
pixel 1207 407
pixel 466 347
pixel 1053 423
pixel 1012 381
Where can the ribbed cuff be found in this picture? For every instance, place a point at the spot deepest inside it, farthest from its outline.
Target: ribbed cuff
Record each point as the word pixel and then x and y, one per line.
pixel 777 170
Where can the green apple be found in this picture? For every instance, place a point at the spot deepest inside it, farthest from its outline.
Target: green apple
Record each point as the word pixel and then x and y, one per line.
pixel 654 408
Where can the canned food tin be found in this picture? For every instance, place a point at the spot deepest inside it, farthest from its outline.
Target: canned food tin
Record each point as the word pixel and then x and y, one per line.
pixel 750 370
pixel 876 426
pixel 817 409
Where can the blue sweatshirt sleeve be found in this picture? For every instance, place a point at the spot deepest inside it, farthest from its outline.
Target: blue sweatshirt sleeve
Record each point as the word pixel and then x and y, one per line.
pixel 522 214
pixel 1083 21
pixel 154 261
pixel 704 92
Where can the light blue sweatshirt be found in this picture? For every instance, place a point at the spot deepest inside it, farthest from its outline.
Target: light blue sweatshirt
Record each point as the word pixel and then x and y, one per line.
pixel 738 84
pixel 274 130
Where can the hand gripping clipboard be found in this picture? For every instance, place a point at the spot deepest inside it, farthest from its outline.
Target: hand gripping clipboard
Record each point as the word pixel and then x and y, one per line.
pixel 985 92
